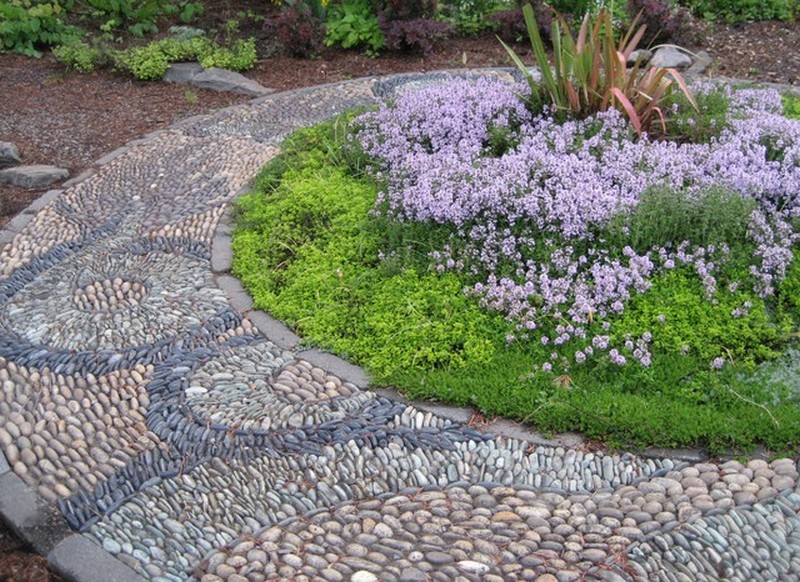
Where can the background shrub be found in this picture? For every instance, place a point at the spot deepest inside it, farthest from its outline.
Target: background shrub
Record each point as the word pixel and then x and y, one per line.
pixel 138 17
pixel 469 17
pixel 79 55
pixel 28 26
pixel 665 22
pixel 299 30
pixel 354 23
pixel 418 34
pixel 733 11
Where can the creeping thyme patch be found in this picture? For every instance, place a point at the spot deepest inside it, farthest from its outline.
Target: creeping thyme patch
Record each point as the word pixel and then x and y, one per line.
pixel 571 275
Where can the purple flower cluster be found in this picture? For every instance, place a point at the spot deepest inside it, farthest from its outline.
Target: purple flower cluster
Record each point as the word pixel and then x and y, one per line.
pixel 558 183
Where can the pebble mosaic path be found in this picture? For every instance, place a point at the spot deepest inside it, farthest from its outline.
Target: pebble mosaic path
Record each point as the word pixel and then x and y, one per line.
pixel 166 428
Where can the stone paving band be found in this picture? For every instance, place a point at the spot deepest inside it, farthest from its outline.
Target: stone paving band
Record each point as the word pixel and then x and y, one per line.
pixel 184 442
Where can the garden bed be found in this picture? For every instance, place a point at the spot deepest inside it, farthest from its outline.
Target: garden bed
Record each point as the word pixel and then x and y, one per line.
pixel 568 275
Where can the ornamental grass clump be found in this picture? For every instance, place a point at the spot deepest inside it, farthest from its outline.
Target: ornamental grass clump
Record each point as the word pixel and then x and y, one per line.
pixel 590 75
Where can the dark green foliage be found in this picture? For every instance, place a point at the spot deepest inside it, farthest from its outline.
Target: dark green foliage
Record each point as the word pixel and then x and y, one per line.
pixel 354 23
pixel 469 17
pixel 701 125
pixel 733 11
pixel 663 19
pixel 28 26
pixel 138 17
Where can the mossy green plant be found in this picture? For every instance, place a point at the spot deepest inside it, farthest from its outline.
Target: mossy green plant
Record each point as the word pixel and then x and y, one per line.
pixel 150 62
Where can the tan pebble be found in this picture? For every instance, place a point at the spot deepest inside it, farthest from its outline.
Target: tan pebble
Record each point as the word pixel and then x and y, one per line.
pixel 61 490
pixel 751 487
pixel 782 482
pixel 766 493
pixel 757 464
pixel 692 492
pixel 693 482
pixel 5 438
pixel 47 493
pixel 12 453
pixel 28 457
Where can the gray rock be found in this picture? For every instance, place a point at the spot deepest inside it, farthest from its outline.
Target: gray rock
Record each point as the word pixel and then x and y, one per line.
pixel 702 60
pixel 35 177
pixel 182 73
pixel 222 80
pixel 9 154
pixel 670 58
pixel 643 56
pixel 412 575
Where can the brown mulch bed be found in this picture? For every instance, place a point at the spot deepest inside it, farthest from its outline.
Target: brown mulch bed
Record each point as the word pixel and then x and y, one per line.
pixel 69 120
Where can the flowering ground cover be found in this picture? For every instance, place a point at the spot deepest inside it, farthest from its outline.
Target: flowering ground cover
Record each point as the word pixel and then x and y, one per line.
pixel 464 248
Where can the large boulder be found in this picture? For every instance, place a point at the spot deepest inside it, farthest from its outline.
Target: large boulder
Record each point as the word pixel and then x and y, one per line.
pixel 182 73
pixel 223 80
pixel 670 58
pixel 35 177
pixel 9 154
pixel 214 79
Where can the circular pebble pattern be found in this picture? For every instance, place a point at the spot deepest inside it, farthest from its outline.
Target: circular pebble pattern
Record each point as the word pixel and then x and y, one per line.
pixel 163 424
pixel 169 293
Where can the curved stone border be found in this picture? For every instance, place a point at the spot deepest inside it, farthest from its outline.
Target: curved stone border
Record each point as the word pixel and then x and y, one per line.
pixel 79 557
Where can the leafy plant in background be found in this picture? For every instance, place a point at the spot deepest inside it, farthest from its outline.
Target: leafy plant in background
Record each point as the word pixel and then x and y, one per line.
pixel 469 17
pixel 411 25
pixel 150 62
pixel 77 54
pixel 139 17
pixel 733 11
pixel 299 27
pixel 664 21
pixel 354 23
pixel 510 24
pixel 27 26
pixel 590 74
pixel 418 34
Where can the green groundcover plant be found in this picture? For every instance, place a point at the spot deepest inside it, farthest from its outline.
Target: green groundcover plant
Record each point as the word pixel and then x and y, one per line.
pixel 565 273
pixel 150 62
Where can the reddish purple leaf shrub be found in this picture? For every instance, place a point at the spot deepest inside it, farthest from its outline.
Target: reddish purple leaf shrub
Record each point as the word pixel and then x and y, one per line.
pixel 405 10
pixel 664 24
pixel 510 24
pixel 412 35
pixel 298 29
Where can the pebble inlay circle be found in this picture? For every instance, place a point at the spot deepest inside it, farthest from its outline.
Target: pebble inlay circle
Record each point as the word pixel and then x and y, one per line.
pixel 109 298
